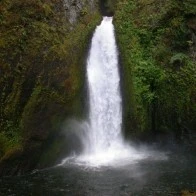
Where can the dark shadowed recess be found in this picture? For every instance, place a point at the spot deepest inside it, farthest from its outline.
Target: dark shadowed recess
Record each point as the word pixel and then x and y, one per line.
pixel 106 7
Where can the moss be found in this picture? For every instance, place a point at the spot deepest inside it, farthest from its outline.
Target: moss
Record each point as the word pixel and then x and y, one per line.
pixel 42 60
pixel 10 140
pixel 153 39
pixel 12 154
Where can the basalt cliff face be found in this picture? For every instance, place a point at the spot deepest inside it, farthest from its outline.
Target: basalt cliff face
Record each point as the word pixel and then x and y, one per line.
pixel 43 47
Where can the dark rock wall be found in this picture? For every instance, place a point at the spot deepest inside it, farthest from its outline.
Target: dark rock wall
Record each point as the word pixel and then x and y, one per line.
pixel 43 46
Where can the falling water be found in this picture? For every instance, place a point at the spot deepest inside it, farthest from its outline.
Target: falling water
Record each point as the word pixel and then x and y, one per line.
pixel 103 141
pixel 105 114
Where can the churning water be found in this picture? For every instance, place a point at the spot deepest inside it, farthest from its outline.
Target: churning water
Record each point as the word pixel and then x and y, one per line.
pixel 103 141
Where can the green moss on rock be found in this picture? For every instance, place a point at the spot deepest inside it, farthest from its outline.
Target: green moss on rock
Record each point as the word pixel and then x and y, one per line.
pixel 158 65
pixel 42 60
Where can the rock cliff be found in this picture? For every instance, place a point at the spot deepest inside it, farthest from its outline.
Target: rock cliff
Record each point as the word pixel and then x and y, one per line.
pixel 43 46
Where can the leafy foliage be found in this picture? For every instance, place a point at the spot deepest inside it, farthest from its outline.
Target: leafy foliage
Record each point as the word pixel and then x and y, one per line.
pixel 160 74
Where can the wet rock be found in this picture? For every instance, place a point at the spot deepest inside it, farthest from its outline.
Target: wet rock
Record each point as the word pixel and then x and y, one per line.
pixel 192 23
pixel 188 193
pixel 73 8
pixel 43 83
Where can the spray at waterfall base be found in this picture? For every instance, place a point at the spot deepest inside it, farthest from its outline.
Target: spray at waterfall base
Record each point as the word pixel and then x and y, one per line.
pixel 103 141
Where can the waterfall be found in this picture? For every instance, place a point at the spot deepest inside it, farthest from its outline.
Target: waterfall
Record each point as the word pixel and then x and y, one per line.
pixel 104 143
pixel 102 140
pixel 105 115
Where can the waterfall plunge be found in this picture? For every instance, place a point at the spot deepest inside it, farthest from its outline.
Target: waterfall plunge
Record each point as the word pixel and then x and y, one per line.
pixel 103 141
pixel 105 115
pixel 104 144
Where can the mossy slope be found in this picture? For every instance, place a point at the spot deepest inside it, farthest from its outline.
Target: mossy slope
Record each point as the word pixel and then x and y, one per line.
pixel 157 48
pixel 41 75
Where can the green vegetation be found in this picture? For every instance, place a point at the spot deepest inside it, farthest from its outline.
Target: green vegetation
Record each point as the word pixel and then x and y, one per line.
pixel 41 70
pixel 42 59
pixel 156 48
pixel 10 138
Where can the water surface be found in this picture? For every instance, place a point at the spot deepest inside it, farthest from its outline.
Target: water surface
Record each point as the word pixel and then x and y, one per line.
pixel 143 177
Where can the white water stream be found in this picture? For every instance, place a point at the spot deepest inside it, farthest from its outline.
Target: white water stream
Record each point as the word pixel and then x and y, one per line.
pixel 104 144
pixel 105 114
